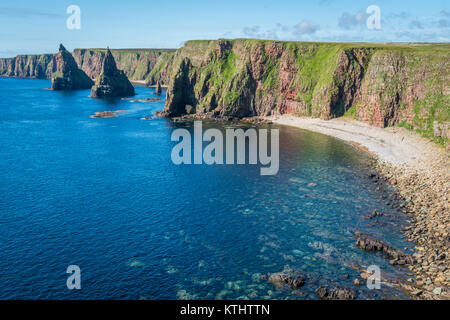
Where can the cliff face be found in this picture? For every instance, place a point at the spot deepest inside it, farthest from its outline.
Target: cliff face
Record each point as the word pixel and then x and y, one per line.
pixel 67 75
pixel 384 85
pixel 28 66
pixel 410 88
pixel 111 82
pixel 253 77
pixel 137 64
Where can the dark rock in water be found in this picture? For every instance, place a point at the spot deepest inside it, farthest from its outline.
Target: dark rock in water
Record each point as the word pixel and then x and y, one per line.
pixel 292 278
pixel 106 114
pixel 376 214
pixel 373 175
pixel 111 82
pixel 146 100
pixel 396 256
pixel 158 89
pixel 67 75
pixel 336 293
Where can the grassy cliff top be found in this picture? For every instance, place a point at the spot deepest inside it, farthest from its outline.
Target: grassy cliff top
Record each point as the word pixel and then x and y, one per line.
pixel 376 45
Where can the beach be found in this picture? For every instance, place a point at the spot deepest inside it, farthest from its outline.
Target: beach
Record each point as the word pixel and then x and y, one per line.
pixel 419 169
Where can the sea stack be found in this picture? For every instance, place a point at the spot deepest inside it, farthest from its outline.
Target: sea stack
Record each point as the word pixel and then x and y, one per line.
pixel 67 75
pixel 158 89
pixel 111 82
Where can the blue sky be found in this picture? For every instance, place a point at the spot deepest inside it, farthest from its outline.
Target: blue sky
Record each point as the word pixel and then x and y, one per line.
pixel 39 26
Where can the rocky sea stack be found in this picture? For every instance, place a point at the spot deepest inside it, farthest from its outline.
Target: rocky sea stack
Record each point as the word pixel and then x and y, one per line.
pixel 67 75
pixel 158 89
pixel 111 82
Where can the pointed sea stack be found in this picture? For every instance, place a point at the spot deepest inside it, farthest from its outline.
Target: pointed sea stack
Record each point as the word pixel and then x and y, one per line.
pixel 67 75
pixel 158 89
pixel 111 82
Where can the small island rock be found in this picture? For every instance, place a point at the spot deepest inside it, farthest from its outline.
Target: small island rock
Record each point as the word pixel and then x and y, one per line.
pixel 67 75
pixel 111 82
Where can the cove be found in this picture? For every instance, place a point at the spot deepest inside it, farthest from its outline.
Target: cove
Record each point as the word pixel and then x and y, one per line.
pixel 103 194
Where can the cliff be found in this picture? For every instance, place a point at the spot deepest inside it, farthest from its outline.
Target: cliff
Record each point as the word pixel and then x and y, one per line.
pixel 111 82
pixel 384 85
pixel 67 75
pixel 137 64
pixel 28 66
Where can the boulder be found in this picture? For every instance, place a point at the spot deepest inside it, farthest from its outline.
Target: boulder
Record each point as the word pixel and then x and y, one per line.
pixel 67 75
pixel 292 278
pixel 111 82
pixel 370 244
pixel 336 293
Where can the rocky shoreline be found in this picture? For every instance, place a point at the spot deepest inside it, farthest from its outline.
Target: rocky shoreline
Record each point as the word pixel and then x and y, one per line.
pixel 422 186
pixel 419 172
pixel 423 196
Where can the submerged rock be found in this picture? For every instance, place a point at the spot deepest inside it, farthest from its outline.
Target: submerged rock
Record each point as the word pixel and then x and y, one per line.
pixel 67 75
pixel 111 82
pixel 135 263
pixel 396 256
pixel 336 293
pixel 146 100
pixel 294 279
pixel 106 114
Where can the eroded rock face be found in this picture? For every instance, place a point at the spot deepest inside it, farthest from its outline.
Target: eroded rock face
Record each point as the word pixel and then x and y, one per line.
pixel 28 66
pixel 336 293
pixel 158 89
pixel 243 78
pixel 384 86
pixel 294 279
pixel 111 82
pixel 370 244
pixel 67 75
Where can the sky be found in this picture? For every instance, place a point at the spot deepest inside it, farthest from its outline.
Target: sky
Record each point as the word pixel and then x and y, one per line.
pixel 28 27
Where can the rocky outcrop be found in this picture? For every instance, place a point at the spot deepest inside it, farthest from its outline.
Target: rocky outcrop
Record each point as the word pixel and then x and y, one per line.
pixel 288 277
pixel 370 244
pixel 384 85
pixel 111 82
pixel 67 75
pixel 158 89
pixel 336 293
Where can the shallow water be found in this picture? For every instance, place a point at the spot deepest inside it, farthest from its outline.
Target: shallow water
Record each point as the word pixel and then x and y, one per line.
pixel 103 194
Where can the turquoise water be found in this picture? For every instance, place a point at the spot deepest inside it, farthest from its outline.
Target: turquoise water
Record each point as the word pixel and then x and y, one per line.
pixel 103 194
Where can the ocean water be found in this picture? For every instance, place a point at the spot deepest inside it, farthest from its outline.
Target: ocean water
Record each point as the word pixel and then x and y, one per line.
pixel 103 194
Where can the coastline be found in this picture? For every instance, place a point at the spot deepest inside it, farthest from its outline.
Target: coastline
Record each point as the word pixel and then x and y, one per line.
pixel 419 169
pixel 144 82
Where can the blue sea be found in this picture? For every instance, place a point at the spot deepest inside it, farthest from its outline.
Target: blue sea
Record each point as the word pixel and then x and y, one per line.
pixel 104 194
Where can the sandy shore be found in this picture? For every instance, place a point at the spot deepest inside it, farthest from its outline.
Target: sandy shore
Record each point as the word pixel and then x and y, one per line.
pixel 420 170
pixel 396 146
pixel 140 82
